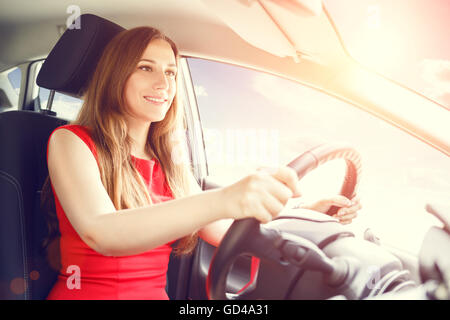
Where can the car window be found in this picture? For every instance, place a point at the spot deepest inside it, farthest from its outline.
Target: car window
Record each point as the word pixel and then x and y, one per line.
pixel 10 88
pixel 65 106
pixel 253 119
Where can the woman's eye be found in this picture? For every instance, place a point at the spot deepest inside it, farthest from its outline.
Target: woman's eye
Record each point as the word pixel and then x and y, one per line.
pixel 145 68
pixel 171 73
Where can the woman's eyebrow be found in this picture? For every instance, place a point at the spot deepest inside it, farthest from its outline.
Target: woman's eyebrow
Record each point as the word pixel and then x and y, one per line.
pixel 153 61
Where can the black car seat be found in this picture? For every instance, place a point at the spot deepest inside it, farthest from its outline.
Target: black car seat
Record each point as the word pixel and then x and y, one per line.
pixel 25 271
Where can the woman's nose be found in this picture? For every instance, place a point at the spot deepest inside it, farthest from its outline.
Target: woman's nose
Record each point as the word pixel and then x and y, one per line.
pixel 160 82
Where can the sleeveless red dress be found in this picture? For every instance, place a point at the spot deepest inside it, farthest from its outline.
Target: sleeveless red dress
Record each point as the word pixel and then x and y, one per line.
pixel 135 277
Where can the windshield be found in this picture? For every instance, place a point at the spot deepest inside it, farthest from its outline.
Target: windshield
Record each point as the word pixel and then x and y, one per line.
pixel 404 40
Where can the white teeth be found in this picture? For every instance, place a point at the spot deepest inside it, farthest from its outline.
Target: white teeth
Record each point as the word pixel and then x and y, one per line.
pixel 154 99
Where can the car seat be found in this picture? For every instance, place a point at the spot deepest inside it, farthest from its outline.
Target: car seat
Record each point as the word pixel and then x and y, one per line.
pixel 25 271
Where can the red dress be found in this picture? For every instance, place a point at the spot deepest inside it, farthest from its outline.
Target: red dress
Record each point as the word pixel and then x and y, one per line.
pixel 141 276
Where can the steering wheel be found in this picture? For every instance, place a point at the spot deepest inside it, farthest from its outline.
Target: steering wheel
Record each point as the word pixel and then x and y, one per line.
pixel 246 236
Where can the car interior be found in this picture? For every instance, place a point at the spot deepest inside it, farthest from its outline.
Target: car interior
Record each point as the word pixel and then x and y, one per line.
pixel 314 254
pixel 24 169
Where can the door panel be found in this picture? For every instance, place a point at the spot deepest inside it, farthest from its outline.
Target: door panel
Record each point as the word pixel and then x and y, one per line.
pixel 186 276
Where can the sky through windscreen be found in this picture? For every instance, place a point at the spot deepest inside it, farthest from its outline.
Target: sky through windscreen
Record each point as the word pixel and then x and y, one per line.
pixel 407 41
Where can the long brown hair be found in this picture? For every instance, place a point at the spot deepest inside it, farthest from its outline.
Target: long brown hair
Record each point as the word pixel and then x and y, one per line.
pixel 102 113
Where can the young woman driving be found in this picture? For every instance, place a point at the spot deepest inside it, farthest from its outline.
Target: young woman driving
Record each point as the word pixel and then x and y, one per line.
pixel 112 174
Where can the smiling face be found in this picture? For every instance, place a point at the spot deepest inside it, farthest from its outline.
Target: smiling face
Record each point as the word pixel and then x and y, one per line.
pixel 151 88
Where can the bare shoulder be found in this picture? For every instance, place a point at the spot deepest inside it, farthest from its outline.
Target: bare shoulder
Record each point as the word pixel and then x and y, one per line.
pixel 62 134
pixel 64 139
pixel 66 147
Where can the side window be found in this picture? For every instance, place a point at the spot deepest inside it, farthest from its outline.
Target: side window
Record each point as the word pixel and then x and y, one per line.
pixel 253 119
pixel 65 106
pixel 10 89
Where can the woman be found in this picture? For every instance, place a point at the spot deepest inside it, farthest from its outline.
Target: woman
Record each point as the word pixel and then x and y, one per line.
pixel 112 172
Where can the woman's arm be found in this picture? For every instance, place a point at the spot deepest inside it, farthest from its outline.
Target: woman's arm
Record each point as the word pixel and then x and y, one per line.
pixel 133 231
pixel 213 232
pixel 76 179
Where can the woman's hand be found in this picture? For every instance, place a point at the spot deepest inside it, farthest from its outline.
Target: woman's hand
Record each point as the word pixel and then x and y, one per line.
pixel 261 195
pixel 346 213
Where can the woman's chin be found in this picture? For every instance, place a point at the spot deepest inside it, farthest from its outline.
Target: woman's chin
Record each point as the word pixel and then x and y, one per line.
pixel 149 115
pixel 156 117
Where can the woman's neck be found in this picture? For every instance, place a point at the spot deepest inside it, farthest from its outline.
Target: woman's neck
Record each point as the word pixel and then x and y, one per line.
pixel 139 134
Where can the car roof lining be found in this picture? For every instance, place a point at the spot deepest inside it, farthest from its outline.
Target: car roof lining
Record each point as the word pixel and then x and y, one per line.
pixel 39 27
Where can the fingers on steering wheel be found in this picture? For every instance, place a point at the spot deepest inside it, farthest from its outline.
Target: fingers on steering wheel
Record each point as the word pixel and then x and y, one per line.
pixel 272 204
pixel 261 213
pixel 346 216
pixel 354 208
pixel 280 191
pixel 349 220
pixel 339 201
pixel 289 177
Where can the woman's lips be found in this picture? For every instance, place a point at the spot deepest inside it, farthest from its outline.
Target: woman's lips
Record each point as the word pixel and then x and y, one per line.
pixel 155 100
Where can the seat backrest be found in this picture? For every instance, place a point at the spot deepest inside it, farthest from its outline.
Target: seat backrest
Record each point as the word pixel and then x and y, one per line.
pixel 24 270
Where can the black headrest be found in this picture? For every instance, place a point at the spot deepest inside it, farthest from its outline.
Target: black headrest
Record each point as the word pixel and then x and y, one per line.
pixel 73 59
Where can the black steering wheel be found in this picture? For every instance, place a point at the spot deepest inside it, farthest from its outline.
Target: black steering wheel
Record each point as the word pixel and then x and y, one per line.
pixel 246 236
